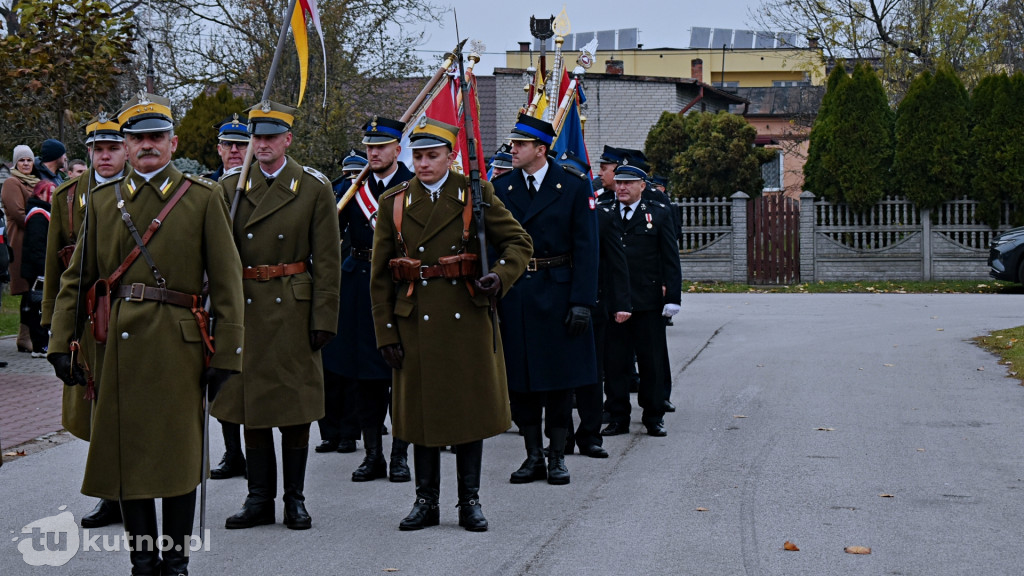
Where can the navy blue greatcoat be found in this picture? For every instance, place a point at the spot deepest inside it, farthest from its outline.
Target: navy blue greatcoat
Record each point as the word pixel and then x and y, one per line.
pixel 539 353
pixel 353 352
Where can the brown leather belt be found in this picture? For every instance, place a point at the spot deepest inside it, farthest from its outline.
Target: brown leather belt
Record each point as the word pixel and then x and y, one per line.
pixel 138 292
pixel 364 255
pixel 544 263
pixel 266 272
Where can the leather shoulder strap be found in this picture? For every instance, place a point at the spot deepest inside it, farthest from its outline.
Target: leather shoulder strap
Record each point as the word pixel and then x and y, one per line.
pixel 397 210
pixel 140 243
pixel 71 207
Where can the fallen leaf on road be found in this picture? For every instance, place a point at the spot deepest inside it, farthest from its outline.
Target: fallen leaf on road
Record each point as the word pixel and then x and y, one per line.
pixel 888 365
pixel 886 496
pixel 702 509
pixel 790 546
pixel 857 550
pixel 760 365
pixel 739 416
pixel 823 429
pixel 981 368
pixel 920 449
pixel 391 570
pixel 940 329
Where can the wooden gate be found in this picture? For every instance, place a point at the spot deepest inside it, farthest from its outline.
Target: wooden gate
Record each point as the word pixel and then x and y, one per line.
pixel 773 240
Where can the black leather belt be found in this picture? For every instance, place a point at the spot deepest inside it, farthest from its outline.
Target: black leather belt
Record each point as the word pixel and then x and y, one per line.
pixel 363 255
pixel 544 263
pixel 138 292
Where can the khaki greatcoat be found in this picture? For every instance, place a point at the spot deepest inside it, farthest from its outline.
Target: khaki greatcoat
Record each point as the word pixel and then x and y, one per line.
pixel 451 388
pixel 293 220
pixel 146 439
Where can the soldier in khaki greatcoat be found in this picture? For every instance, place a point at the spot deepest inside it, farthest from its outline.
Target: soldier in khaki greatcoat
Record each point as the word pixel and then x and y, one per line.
pixel 286 230
pixel 146 437
pixel 105 144
pixel 433 323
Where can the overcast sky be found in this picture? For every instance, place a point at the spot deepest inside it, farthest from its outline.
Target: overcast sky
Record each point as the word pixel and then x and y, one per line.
pixel 662 23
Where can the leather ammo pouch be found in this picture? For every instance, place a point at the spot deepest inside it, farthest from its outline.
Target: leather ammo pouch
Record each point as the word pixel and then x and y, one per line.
pixel 460 266
pixel 405 269
pixel 97 306
pixel 64 255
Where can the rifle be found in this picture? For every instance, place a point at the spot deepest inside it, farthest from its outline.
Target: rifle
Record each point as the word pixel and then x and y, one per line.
pixel 475 190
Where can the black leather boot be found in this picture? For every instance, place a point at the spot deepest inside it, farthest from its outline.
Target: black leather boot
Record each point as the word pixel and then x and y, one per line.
pixel 105 513
pixel 558 473
pixel 533 467
pixel 427 462
pixel 294 467
pixel 140 529
pixel 399 471
pixel 258 508
pixel 233 462
pixel 467 469
pixel 179 514
pixel 374 465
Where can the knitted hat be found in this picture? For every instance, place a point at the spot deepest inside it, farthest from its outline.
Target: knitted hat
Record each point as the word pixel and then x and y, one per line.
pixel 51 150
pixel 22 151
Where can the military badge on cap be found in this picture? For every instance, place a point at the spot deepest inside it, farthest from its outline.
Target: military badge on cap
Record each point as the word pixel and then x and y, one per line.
pixel 268 118
pixel 432 133
pixel 380 130
pixel 232 129
pixel 146 113
pixel 102 128
pixel 502 158
pixel 354 162
pixel 529 128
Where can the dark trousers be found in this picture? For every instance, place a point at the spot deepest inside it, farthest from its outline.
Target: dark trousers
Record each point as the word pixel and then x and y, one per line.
pixel 291 437
pixel 372 400
pixel 644 335
pixel 30 316
pixel 590 399
pixel 340 421
pixel 555 405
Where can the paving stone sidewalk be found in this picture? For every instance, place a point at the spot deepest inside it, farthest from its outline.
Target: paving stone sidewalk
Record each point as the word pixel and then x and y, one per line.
pixel 30 397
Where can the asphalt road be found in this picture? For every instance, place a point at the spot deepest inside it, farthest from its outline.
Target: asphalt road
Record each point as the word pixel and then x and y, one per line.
pixel 824 420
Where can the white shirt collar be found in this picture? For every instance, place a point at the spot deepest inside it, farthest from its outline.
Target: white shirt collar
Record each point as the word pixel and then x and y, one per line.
pixel 148 175
pixel 436 185
pixel 386 181
pixel 276 172
pixel 632 208
pixel 538 175
pixel 101 179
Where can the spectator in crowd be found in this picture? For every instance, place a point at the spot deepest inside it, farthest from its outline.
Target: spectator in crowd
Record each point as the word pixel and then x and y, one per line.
pixel 33 262
pixel 51 161
pixel 16 191
pixel 76 168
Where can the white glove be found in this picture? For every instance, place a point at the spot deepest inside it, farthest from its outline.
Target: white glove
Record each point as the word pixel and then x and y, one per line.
pixel 670 310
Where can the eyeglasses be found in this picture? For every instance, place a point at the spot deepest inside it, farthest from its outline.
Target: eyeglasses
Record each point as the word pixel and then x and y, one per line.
pixel 231 145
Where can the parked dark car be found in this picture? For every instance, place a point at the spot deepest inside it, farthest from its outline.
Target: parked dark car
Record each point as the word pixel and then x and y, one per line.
pixel 1006 256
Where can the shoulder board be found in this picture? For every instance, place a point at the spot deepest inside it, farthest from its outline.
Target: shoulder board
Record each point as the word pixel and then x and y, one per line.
pixel 605 207
pixel 316 174
pixel 235 170
pixel 73 183
pixel 575 172
pixel 659 204
pixel 392 191
pixel 199 179
pixel 606 201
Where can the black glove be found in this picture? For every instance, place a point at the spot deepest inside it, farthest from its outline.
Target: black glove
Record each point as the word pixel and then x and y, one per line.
pixel 212 380
pixel 577 319
pixel 318 339
pixel 393 355
pixel 489 285
pixel 70 375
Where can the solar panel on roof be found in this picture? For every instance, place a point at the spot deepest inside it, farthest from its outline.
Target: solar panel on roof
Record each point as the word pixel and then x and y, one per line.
pixel 606 39
pixel 765 40
pixel 628 38
pixel 787 40
pixel 744 39
pixel 700 37
pixel 723 37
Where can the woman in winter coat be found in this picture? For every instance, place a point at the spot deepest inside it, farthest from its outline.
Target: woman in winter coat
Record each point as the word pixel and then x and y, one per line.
pixel 33 263
pixel 14 195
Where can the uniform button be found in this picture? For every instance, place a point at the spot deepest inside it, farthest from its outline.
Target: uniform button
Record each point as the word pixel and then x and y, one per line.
pixel 389 325
pixel 502 262
pixel 124 335
pixel 422 249
pixel 424 282
pixel 278 300
pixel 426 317
pixel 529 276
pixel 457 315
pixel 248 300
pixel 238 350
pixel 249 235
pixel 454 282
pixel 280 236
pixel 454 248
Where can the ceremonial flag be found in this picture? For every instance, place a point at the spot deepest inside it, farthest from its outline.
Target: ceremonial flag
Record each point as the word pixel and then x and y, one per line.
pixel 474 109
pixel 571 136
pixel 305 11
pixel 441 107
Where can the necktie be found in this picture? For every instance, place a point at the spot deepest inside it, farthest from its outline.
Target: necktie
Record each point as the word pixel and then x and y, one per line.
pixel 270 182
pixel 531 185
pixel 625 214
pixel 434 195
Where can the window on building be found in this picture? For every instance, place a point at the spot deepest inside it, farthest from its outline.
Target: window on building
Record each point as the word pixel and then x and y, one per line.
pixel 735 84
pixel 772 173
pixel 786 83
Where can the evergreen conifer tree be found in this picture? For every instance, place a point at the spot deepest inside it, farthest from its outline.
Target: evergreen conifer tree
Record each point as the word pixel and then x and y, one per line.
pixel 818 177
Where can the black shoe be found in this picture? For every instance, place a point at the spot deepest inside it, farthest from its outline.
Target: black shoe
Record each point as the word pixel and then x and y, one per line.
pixel 656 428
pixel 258 508
pixel 534 467
pixel 329 446
pixel 615 428
pixel 374 466
pixel 293 468
pixel 179 514
pixel 467 474
pixel 558 473
pixel 471 517
pixel 668 406
pixel 423 514
pixel 229 467
pixel 105 513
pixel 346 446
pixel 593 451
pixel 399 469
